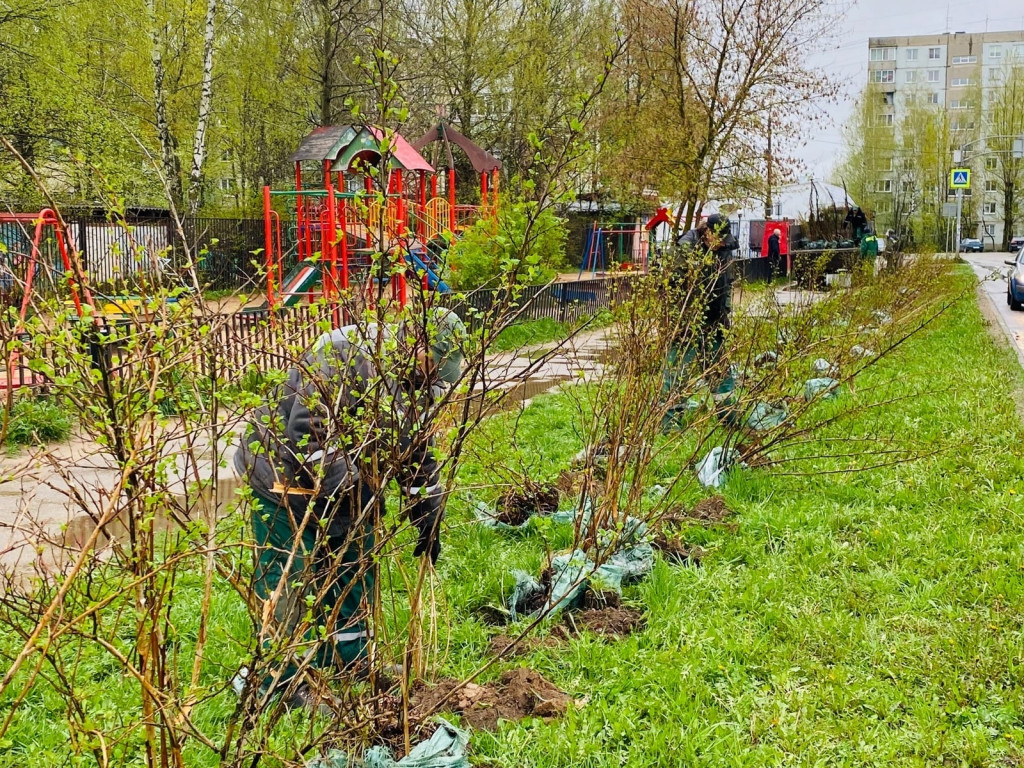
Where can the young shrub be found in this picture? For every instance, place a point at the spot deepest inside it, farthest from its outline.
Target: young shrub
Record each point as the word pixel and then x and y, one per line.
pixel 482 254
pixel 37 420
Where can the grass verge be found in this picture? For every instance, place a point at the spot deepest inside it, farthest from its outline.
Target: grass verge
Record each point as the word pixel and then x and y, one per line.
pixel 839 618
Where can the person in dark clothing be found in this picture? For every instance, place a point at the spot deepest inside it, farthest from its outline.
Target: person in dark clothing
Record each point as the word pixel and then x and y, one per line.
pixel 775 252
pixel 856 221
pixel 704 253
pixel 317 459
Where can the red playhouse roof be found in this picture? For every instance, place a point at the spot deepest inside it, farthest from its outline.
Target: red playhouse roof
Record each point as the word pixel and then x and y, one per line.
pixel 482 160
pixel 404 152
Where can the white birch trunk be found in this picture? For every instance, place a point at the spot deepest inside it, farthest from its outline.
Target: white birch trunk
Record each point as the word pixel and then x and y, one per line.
pixel 203 121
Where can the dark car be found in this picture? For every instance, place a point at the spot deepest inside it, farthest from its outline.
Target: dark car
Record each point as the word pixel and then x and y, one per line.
pixel 971 245
pixel 1015 283
pixel 1016 244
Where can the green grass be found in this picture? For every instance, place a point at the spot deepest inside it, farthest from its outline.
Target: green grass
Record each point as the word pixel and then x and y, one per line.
pixel 856 619
pixel 37 420
pixel 532 332
pixel 871 618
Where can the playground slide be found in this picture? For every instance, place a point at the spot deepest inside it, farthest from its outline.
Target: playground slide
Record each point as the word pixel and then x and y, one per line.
pixel 299 282
pixel 435 282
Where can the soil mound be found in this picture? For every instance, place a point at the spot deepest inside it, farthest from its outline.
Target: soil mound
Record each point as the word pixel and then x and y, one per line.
pixel 619 621
pixel 516 506
pixel 520 693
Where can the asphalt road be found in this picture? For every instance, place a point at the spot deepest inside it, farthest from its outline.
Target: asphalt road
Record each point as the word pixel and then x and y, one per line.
pixel 994 288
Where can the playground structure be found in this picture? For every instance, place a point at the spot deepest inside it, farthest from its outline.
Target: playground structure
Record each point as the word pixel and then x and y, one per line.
pixel 44 226
pixel 629 243
pixel 402 211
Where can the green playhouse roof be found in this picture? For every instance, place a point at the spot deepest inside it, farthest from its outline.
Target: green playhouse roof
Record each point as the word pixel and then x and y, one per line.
pixel 343 144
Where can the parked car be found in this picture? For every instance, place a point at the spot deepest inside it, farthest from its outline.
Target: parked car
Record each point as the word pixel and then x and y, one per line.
pixel 1016 244
pixel 971 245
pixel 1015 283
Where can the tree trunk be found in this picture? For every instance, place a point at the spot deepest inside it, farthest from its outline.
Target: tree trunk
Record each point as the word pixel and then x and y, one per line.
pixel 172 177
pixel 1008 218
pixel 326 76
pixel 205 98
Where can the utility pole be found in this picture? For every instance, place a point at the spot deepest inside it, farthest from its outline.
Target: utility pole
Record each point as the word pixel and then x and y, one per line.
pixel 959 215
pixel 768 196
pixel 958 158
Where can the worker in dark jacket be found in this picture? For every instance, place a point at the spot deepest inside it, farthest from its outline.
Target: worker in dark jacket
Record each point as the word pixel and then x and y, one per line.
pixel 775 252
pixel 703 255
pixel 318 458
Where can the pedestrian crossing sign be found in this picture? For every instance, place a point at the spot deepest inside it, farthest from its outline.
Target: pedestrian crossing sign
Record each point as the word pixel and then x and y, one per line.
pixel 960 178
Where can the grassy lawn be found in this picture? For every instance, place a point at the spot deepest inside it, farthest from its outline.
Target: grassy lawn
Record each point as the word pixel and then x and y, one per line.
pixel 859 618
pixel 531 332
pixel 869 618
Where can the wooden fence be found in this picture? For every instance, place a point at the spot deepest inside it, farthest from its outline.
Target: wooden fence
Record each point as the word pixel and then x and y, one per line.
pixel 231 344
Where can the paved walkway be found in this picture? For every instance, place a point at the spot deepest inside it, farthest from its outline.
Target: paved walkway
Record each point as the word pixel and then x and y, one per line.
pixel 35 502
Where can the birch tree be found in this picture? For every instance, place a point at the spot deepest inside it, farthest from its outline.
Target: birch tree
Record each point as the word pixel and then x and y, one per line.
pixel 203 119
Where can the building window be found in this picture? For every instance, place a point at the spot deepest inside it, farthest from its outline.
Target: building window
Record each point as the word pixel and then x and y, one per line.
pixel 934 54
pixel 885 119
pixel 911 54
pixel 960 104
pixel 883 186
pixel 1018 51
pixel 883 54
pixel 965 59
pixel 995 52
pixel 961 82
pixel 226 185
pixel 889 98
pixel 883 76
pixel 933 75
pixel 990 209
pixel 990 230
pixel 884 206
pixel 963 125
pixel 933 98
pixel 990 163
pixel 910 76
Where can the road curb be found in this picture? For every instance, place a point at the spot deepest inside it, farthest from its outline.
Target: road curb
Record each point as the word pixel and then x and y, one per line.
pixel 989 310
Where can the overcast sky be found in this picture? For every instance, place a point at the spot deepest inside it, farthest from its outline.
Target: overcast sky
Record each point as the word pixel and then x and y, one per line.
pixel 847 57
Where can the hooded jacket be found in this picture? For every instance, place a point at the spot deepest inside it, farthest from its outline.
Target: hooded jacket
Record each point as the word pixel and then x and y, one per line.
pixel 324 424
pixel 716 271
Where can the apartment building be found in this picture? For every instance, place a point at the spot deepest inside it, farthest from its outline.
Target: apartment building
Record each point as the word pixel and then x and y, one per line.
pixel 953 70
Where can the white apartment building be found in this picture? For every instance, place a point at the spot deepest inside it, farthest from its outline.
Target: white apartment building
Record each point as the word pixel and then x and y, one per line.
pixel 947 70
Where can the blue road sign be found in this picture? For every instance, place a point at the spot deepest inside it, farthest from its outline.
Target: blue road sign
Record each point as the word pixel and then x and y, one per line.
pixel 960 178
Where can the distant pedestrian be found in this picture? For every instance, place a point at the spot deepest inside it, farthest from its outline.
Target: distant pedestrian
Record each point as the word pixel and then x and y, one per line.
pixel 775 252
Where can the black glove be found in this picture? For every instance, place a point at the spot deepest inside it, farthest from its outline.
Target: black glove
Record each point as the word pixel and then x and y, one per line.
pixel 426 516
